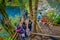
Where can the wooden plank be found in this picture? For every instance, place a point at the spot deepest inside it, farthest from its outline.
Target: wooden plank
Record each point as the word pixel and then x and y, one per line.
pixel 14 36
pixel 39 27
pixel 40 34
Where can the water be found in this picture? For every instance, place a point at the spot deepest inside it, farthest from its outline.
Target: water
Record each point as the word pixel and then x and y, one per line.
pixel 12 11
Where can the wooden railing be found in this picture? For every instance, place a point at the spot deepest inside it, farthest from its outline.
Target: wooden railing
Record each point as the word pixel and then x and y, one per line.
pixel 43 34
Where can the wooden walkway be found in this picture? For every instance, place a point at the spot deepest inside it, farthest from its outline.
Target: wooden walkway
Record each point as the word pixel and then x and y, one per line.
pixel 44 30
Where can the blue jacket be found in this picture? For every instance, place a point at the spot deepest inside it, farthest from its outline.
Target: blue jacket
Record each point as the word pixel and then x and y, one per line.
pixel 39 16
pixel 24 26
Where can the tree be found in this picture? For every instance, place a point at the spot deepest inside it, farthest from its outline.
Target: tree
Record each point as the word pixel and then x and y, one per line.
pixel 22 6
pixel 8 26
pixel 30 9
pixel 35 14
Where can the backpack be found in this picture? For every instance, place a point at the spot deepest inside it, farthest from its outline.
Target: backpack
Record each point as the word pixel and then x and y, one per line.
pixel 18 29
pixel 22 31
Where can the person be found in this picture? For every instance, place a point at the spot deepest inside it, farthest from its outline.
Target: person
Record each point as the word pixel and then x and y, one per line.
pixel 53 38
pixel 30 25
pixel 26 13
pixel 42 20
pixel 21 31
pixel 27 29
pixel 39 16
pixel 17 29
pixel 24 27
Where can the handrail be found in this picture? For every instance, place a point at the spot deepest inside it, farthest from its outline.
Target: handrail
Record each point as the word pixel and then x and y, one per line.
pixel 40 34
pixel 14 36
pixel 40 27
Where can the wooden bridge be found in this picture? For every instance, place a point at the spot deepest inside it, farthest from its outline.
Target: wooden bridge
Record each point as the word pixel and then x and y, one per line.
pixel 43 31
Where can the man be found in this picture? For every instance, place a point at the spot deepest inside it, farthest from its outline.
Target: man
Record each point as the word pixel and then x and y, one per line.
pixel 30 25
pixel 39 16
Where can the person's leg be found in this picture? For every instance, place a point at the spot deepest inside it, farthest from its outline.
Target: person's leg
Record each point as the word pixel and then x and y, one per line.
pixel 31 28
pixel 26 34
pixel 23 38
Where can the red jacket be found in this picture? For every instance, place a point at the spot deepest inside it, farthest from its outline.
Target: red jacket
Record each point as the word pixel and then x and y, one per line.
pixel 42 19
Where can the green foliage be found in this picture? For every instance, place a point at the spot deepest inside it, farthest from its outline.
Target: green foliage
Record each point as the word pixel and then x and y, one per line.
pixel 57 19
pixel 14 20
pixel 4 33
pixel 13 3
pixel 53 16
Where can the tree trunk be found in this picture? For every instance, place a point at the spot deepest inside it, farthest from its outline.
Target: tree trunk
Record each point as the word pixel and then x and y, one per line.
pixel 30 9
pixel 35 18
pixel 35 14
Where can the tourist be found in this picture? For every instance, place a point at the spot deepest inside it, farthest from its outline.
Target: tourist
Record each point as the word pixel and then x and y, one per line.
pixel 43 20
pixel 39 16
pixel 24 27
pixel 21 31
pixel 27 29
pixel 26 13
pixel 30 25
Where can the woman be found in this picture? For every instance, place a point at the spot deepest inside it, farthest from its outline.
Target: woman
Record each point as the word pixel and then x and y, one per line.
pixel 21 31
